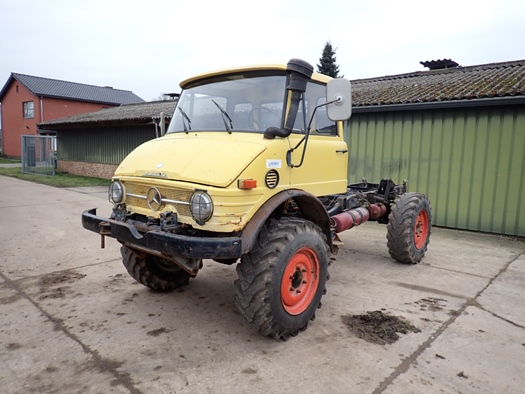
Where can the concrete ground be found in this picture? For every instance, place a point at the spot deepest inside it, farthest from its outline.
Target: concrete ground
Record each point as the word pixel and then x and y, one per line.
pixel 73 321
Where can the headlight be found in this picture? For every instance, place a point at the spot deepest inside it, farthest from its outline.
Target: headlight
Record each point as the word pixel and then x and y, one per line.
pixel 201 207
pixel 116 192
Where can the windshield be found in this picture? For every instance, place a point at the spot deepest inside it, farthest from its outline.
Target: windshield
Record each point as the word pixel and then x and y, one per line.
pixel 235 103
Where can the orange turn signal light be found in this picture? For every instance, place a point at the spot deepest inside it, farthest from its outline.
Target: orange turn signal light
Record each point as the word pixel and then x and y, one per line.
pixel 247 183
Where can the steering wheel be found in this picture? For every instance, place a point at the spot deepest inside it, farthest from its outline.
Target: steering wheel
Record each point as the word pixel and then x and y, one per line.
pixel 257 112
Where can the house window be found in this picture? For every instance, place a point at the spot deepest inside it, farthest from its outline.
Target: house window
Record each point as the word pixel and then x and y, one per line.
pixel 29 109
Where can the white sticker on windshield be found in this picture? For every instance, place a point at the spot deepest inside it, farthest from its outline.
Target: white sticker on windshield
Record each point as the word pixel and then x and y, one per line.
pixel 273 163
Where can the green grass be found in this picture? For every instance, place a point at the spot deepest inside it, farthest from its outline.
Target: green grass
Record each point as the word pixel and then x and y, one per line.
pixel 3 160
pixel 59 180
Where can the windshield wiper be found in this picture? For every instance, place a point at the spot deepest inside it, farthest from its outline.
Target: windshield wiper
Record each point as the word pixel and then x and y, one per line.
pixel 224 117
pixel 185 117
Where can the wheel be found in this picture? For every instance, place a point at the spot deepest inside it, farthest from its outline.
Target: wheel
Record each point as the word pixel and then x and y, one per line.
pixel 281 281
pixel 408 229
pixel 258 120
pixel 154 272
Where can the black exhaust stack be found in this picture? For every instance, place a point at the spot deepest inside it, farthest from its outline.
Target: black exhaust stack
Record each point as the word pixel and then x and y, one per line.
pixel 300 73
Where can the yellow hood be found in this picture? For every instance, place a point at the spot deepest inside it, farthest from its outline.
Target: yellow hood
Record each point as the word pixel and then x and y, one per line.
pixel 202 158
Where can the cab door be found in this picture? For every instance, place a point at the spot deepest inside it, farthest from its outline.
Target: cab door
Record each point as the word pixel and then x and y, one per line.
pixel 324 165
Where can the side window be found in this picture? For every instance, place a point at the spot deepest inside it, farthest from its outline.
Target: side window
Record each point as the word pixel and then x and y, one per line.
pixel 321 125
pixel 301 122
pixel 28 109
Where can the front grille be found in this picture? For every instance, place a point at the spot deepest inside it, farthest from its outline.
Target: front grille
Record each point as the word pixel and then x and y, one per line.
pixel 136 195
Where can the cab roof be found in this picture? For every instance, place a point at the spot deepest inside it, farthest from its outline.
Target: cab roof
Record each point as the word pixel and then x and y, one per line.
pixel 237 70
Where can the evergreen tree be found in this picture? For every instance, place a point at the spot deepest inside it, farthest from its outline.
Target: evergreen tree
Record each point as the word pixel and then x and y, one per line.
pixel 327 61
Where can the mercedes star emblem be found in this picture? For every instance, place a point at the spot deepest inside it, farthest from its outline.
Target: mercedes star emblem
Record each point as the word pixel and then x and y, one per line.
pixel 154 198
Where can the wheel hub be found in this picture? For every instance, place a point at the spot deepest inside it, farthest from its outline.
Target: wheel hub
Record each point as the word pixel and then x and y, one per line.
pixel 300 281
pixel 421 229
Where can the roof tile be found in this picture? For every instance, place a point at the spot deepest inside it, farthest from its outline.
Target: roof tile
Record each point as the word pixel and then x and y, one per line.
pixel 75 91
pixel 492 80
pixel 135 112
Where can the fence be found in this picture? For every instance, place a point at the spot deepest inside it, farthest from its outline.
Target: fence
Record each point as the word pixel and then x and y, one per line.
pixel 38 154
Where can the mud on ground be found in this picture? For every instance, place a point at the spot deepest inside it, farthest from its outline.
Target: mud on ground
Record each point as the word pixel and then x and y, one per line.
pixel 377 327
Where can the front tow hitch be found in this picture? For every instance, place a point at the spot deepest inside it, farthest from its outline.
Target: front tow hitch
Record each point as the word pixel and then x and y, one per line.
pixel 105 229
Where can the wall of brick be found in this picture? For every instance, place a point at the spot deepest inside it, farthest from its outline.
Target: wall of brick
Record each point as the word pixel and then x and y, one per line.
pixel 95 170
pixel 60 108
pixel 14 125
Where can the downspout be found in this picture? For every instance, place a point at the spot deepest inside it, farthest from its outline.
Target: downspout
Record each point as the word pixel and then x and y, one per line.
pixel 41 109
pixel 162 124
pixel 155 120
pixel 156 128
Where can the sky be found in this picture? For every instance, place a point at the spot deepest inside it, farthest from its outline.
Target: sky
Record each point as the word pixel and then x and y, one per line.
pixel 149 46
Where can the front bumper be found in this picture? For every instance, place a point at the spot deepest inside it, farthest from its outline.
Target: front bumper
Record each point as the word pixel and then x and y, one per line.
pixel 162 242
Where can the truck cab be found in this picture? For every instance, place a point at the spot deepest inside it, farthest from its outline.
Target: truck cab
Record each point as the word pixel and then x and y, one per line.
pixel 217 164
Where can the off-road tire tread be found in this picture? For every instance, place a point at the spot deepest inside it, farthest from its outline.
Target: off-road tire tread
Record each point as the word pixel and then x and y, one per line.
pixel 400 228
pixel 141 270
pixel 252 288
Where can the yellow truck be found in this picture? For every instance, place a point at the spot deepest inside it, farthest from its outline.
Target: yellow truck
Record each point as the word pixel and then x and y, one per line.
pixel 253 171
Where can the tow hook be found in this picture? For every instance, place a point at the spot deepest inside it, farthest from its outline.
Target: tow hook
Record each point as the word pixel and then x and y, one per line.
pixel 105 229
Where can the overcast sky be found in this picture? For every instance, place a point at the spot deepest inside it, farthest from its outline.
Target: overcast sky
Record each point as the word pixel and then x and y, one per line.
pixel 149 46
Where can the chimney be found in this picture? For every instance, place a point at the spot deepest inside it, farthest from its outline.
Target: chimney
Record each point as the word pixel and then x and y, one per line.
pixel 440 64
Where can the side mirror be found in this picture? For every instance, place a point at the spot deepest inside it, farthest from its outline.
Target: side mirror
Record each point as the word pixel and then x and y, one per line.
pixel 339 91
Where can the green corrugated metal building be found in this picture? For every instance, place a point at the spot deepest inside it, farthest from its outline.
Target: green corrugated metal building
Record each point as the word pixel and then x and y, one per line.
pixel 457 135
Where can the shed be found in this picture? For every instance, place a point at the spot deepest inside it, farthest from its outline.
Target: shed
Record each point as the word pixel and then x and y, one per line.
pixel 94 143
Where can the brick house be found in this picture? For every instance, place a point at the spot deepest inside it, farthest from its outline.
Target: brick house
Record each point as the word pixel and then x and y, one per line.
pixel 27 100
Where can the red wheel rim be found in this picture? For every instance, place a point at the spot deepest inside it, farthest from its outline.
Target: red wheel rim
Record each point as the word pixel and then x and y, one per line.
pixel 421 229
pixel 300 281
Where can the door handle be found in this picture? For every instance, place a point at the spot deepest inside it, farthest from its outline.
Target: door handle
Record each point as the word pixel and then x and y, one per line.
pixel 341 151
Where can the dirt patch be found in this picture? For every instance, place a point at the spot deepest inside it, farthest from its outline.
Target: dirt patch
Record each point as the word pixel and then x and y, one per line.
pixel 431 304
pixel 10 299
pixel 59 292
pixel 54 285
pixel 13 346
pixel 377 327
pixel 157 332
pixel 59 278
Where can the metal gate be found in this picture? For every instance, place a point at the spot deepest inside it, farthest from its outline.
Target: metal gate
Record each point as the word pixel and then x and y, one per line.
pixel 38 154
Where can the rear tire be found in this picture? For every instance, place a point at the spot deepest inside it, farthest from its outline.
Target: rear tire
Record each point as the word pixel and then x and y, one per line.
pixel 409 227
pixel 281 281
pixel 154 272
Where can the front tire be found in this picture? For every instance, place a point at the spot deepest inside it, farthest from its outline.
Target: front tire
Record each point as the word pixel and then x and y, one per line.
pixel 281 281
pixel 409 227
pixel 153 272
